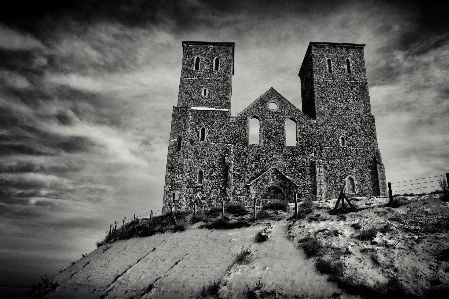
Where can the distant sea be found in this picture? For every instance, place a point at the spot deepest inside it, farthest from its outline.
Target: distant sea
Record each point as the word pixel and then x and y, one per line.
pixel 15 292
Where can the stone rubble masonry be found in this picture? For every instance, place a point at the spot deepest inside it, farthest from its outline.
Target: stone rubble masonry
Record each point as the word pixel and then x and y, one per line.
pixel 336 141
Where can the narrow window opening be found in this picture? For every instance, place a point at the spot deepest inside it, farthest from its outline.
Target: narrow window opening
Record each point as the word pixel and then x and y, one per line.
pixel 350 185
pixel 197 63
pixel 329 66
pixel 348 66
pixel 226 175
pixel 178 146
pixel 290 132
pixel 200 177
pixel 204 92
pixel 174 197
pixel 254 131
pixel 202 134
pixel 216 64
pixel 342 141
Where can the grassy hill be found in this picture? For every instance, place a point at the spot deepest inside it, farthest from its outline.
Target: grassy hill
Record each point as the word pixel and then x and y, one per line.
pixel 376 251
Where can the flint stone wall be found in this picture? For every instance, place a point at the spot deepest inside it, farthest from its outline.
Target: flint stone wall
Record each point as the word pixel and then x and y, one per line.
pixel 336 107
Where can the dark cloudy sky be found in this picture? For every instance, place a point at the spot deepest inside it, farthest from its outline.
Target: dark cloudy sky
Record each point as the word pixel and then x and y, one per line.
pixel 87 89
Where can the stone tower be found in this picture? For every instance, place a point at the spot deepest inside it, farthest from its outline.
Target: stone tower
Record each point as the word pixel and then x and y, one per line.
pixel 335 94
pixel 204 105
pixel 206 75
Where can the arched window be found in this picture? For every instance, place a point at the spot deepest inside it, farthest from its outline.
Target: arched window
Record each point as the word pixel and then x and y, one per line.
pixel 202 134
pixel 342 141
pixel 348 66
pixel 216 64
pixel 197 63
pixel 350 185
pixel 178 144
pixel 200 177
pixel 290 132
pixel 254 131
pixel 329 66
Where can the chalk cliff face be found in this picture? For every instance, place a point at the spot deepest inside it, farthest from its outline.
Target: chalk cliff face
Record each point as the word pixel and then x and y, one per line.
pixel 187 264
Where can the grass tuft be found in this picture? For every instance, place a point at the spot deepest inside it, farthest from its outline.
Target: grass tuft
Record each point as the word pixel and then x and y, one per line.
pixel 211 290
pixel 261 237
pixel 244 257
pixel 332 268
pixel 368 234
pixel 42 289
pixel 312 247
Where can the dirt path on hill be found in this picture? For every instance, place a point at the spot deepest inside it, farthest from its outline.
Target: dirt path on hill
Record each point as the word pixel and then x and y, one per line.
pixel 278 267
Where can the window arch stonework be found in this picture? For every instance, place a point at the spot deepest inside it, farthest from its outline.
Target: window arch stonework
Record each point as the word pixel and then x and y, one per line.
pixel 329 65
pixel 254 131
pixel 178 143
pixel 200 177
pixel 216 64
pixel 203 134
pixel 196 64
pixel 350 185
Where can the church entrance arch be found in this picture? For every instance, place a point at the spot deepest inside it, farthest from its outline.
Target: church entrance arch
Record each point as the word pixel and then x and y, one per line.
pixel 273 185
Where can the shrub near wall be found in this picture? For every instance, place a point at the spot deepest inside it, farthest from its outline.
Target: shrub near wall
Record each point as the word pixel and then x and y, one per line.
pixel 277 206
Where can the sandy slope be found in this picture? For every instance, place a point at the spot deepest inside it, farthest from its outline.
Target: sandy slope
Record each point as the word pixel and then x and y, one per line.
pixel 179 265
pixel 404 256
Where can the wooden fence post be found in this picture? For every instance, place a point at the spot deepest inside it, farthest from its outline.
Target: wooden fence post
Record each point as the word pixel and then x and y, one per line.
pixel 171 212
pixel 134 222
pixel 222 208
pixel 151 215
pixel 255 207
pixel 296 205
pixel 390 195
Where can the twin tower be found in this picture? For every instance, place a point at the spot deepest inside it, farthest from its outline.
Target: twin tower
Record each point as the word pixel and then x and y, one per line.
pixel 210 158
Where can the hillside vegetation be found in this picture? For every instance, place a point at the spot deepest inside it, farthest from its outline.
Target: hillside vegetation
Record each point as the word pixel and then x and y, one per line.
pixel 375 251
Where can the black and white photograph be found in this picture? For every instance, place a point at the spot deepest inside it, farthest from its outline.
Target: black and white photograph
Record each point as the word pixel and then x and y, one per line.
pixel 224 149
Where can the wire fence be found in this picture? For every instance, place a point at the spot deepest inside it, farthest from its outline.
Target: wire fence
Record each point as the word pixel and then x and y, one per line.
pixel 414 186
pixel 128 220
pixel 419 185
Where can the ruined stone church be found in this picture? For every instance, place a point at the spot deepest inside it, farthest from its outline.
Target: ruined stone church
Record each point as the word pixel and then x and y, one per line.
pixel 210 156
